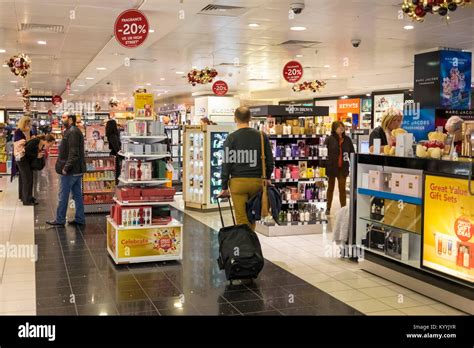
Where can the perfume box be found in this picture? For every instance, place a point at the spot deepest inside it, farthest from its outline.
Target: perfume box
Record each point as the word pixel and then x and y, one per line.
pixel 375 180
pixel 303 165
pixel 375 237
pixel 365 180
pixel 397 183
pixel 397 244
pixel 148 149
pixel 412 185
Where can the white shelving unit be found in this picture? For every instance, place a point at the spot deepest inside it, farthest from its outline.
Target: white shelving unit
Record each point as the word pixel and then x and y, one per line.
pixel 144 243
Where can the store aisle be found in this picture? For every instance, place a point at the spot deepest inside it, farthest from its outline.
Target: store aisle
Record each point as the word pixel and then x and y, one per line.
pixel 314 259
pixel 17 257
pixel 74 275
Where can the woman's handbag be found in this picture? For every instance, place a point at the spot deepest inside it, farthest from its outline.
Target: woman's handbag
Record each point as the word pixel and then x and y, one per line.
pixel 19 149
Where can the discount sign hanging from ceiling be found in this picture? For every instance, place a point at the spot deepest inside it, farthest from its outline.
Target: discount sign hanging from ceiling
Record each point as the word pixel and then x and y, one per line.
pixel 131 28
pixel 220 88
pixel 293 71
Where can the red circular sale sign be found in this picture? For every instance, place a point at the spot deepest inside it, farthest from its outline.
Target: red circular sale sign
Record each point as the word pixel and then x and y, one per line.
pixel 131 28
pixel 293 71
pixel 57 100
pixel 463 228
pixel 220 88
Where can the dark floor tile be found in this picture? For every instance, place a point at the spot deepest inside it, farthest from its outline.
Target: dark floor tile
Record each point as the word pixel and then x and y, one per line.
pixel 156 284
pixel 240 295
pixel 285 302
pixel 94 298
pixel 142 314
pixel 218 309
pixel 153 275
pixel 57 311
pixel 56 301
pixel 306 311
pixel 185 310
pixel 264 314
pixel 267 293
pixel 253 306
pixel 157 294
pixel 131 295
pixel 43 292
pixel 301 289
pixel 101 309
pixel 51 283
pixel 131 307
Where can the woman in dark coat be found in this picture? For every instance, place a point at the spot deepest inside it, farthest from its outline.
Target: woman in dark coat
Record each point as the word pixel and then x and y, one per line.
pixel 337 166
pixel 113 137
pixel 21 136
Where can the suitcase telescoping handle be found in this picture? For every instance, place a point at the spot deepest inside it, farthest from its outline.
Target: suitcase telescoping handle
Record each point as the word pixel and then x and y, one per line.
pixel 220 210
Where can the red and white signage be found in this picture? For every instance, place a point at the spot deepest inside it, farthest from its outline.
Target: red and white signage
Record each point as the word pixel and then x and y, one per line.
pixel 220 88
pixel 57 100
pixel 131 28
pixel 293 71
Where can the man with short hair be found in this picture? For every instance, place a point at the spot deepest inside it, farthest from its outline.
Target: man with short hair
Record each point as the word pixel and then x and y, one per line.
pixel 71 165
pixel 242 170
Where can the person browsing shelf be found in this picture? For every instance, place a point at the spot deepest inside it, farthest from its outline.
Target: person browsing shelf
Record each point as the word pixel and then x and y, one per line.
pixel 392 119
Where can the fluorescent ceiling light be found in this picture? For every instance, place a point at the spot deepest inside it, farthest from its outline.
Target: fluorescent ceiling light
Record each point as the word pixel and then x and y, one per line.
pixel 41 42
pixel 162 79
pixel 75 90
pixel 299 56
pixel 344 97
pixel 5 66
pixel 409 27
pixel 254 25
pixel 70 94
pixel 179 72
pixel 2 50
pixel 148 84
pixel 89 78
pixel 14 81
pixel 298 28
pixel 151 31
pixel 334 76
pixel 101 68
pixel 368 94
pixel 327 66
pixel 81 85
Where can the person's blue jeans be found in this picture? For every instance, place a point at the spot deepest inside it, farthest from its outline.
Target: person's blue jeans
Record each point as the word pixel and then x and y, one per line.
pixel 70 184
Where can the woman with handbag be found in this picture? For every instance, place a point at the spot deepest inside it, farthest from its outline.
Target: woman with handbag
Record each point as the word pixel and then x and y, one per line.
pixel 20 137
pixel 33 160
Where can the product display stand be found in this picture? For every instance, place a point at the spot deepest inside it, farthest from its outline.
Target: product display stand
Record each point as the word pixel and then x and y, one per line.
pixel 98 183
pixel 3 154
pixel 297 141
pixel 134 233
pixel 203 164
pixel 175 133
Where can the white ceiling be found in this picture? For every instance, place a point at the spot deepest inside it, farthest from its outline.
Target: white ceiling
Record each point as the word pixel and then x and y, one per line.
pixel 383 61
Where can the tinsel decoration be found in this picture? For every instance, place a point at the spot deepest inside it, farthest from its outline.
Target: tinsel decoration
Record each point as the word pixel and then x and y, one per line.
pixel 19 65
pixel 313 86
pixel 25 94
pixel 418 9
pixel 202 77
pixel 97 107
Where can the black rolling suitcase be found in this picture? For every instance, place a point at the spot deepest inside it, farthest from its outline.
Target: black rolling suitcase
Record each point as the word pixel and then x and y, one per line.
pixel 240 253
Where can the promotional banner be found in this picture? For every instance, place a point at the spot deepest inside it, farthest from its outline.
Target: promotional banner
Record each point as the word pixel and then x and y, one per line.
pixel 144 106
pixel 383 102
pixel 455 74
pixel 220 88
pixel 293 71
pixel 131 28
pixel 427 84
pixel 420 123
pixel 95 135
pixel 448 237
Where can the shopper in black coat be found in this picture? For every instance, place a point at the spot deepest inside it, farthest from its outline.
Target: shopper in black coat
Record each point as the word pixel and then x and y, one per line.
pixel 113 137
pixel 337 165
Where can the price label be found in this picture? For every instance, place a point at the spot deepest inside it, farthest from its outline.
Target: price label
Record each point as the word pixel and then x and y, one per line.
pixel 220 88
pixel 131 28
pixel 293 71
pixel 463 228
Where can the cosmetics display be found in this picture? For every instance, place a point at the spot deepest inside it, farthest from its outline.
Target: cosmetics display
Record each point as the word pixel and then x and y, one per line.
pixel 304 213
pixel 98 183
pixel 300 149
pixel 3 154
pixel 140 227
pixel 202 165
pixel 305 192
pixel 107 175
pixel 102 164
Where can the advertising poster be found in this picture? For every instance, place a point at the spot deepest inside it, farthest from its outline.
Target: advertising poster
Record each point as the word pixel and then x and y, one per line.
pixel 419 123
pixel 383 102
pixel 448 239
pixel 427 82
pixel 95 138
pixel 156 241
pixel 144 105
pixel 455 76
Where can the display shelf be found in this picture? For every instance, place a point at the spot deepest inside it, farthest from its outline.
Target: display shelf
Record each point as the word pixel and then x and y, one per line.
pixel 389 195
pixel 144 182
pixel 310 180
pixel 145 139
pixel 305 201
pixel 295 136
pixel 96 180
pixel 97 208
pixel 96 192
pixel 105 169
pixel 173 223
pixel 412 263
pixel 312 158
pixel 386 225
pixel 129 155
pixel 288 230
pixel 289 224
pixel 140 203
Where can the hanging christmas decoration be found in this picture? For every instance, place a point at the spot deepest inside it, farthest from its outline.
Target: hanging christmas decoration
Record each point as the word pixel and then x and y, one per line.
pixel 202 77
pixel 113 102
pixel 418 9
pixel 25 94
pixel 19 65
pixel 97 107
pixel 313 86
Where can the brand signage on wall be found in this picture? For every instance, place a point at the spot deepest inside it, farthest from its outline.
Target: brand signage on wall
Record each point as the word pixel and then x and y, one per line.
pixel 41 98
pixel 293 71
pixel 346 106
pixel 455 77
pixel 131 28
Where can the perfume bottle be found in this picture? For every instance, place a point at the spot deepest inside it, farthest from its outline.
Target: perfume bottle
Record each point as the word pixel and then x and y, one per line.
pixel 139 171
pixel 289 216
pixel 440 246
pixel 466 257
pixel 132 172
pixel 301 215
pixel 307 215
pixel 287 151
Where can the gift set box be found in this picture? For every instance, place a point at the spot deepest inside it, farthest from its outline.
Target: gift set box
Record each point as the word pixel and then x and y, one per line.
pixel 161 194
pixel 403 215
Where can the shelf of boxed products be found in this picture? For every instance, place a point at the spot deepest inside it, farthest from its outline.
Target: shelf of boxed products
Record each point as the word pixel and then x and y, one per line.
pixel 390 195
pixel 295 136
pixel 151 156
pixel 304 201
pixel 310 180
pixel 145 139
pixel 381 223
pixel 415 263
pixel 141 203
pixel 137 226
pixel 144 182
pixel 295 223
pixel 311 158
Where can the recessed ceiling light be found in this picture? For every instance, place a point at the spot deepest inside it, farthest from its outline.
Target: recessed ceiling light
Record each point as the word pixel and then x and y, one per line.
pixel 334 76
pixel 179 72
pixel 89 78
pixel 151 31
pixel 344 97
pixel 409 27
pixel 299 56
pixel 298 28
pixel 14 81
pixel 327 66
pixel 41 42
pixel 242 84
pixel 2 50
pixel 81 85
pixel 254 25
pixel 101 68
pixel 368 94
pixel 148 84
pixel 5 66
pixel 162 79
pixel 75 90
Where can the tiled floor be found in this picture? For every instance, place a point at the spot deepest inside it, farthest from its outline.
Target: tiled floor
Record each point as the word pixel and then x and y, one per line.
pixel 74 275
